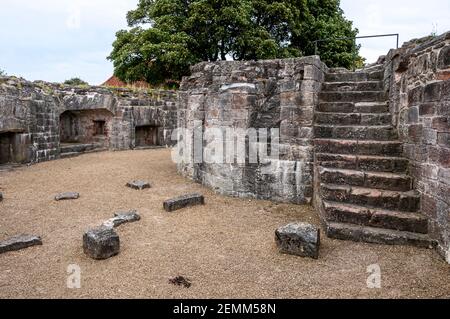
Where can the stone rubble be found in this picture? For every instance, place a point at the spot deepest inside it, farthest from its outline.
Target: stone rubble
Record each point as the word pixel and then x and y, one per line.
pixel 183 202
pixel 299 239
pixel 67 196
pixel 19 242
pixel 139 185
pixel 122 218
pixel 101 243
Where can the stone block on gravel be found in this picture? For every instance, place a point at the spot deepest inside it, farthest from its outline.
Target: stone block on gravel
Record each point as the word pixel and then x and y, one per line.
pixel 122 218
pixel 19 242
pixel 183 201
pixel 139 185
pixel 299 239
pixel 67 196
pixel 101 243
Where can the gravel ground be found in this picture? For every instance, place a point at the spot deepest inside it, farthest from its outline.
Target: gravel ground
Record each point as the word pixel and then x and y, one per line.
pixel 226 248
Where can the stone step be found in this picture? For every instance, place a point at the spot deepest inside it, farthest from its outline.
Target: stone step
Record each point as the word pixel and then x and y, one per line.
pixel 378 235
pixel 70 155
pixel 370 197
pixel 347 107
pixel 79 148
pixel 372 68
pixel 353 118
pixel 363 162
pixel 356 96
pixel 376 133
pixel 378 180
pixel 378 218
pixel 355 147
pixel 352 86
pixel 354 76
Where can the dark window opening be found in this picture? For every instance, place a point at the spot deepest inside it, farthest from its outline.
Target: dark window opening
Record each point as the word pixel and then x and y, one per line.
pixel 99 128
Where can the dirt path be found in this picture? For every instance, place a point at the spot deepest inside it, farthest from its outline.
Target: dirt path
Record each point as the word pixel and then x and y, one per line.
pixel 225 248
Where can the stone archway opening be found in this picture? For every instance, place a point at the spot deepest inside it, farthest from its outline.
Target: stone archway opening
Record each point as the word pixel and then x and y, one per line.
pixel 14 148
pixel 84 130
pixel 147 136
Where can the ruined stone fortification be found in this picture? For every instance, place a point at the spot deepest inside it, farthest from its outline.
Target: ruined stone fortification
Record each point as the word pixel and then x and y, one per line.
pixel 371 148
pixel 418 80
pixel 268 94
pixel 42 121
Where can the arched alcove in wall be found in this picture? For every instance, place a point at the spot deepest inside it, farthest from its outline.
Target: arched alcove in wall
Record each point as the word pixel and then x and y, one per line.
pixel 85 126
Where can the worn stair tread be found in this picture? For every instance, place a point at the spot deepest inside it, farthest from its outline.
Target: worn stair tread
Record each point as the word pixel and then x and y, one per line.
pixel 374 235
pixel 352 82
pixel 352 96
pixel 365 172
pixel 375 217
pixel 352 113
pixel 367 157
pixel 372 163
pixel 388 127
pixel 358 146
pixel 369 190
pixel 337 140
pixel 407 201
pixel 368 179
pixel 351 107
pixel 363 75
pixel 373 173
pixel 352 86
pixel 358 132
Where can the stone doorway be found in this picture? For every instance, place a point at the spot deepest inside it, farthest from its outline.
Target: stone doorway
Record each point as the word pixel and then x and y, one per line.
pixel 147 135
pixel 14 148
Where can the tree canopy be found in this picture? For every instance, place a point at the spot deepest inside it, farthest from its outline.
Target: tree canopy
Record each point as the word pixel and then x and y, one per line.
pixel 168 36
pixel 2 73
pixel 75 82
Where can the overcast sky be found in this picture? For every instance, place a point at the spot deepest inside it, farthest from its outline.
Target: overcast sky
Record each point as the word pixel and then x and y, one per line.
pixel 54 40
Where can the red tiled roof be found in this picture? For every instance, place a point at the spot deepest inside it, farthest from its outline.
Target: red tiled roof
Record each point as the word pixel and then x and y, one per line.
pixel 116 82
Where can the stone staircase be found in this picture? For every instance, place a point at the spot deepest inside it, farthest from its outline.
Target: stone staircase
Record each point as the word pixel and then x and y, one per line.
pixel 364 192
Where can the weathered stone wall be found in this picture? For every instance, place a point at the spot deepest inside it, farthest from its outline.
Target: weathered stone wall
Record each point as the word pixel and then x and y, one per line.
pixel 32 112
pixel 278 94
pixel 418 78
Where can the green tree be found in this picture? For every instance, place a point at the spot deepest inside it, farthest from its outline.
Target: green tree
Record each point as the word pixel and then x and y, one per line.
pixel 168 36
pixel 325 20
pixel 75 82
pixel 2 73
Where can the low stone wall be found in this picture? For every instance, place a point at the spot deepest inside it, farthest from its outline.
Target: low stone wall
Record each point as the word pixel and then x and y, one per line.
pixel 31 111
pixel 418 78
pixel 274 94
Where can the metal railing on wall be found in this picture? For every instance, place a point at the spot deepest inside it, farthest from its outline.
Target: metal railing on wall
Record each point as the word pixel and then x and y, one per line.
pixel 316 42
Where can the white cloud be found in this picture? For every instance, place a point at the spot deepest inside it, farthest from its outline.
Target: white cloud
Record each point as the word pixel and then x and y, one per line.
pixel 410 18
pixel 54 40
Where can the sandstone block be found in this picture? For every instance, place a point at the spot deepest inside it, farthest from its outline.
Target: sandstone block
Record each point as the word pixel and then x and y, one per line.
pixel 299 239
pixel 19 242
pixel 183 202
pixel 67 196
pixel 101 243
pixel 122 218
